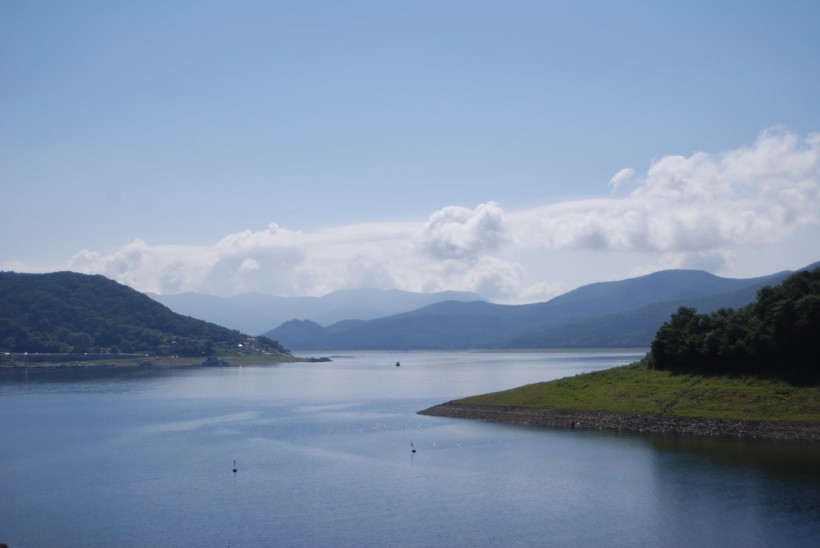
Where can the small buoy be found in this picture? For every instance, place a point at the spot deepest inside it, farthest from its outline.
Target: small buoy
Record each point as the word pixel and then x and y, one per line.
pixel 398 364
pixel 234 466
pixel 412 447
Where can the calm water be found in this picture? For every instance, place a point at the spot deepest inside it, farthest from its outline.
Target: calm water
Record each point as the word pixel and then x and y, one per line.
pixel 144 458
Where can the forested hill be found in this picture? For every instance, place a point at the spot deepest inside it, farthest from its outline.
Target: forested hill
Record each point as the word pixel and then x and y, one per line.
pixel 777 335
pixel 70 312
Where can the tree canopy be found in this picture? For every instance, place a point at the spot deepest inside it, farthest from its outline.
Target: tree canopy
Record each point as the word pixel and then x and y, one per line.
pixel 777 335
pixel 70 312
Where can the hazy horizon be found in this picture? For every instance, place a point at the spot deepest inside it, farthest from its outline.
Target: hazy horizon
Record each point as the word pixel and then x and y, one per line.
pixel 354 290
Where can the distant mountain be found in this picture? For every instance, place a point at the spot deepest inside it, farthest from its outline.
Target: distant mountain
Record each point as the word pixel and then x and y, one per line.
pixel 636 325
pixel 69 312
pixel 632 328
pixel 255 312
pixel 624 313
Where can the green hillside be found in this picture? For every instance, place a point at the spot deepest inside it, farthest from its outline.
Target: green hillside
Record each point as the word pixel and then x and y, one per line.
pixel 757 363
pixel 66 312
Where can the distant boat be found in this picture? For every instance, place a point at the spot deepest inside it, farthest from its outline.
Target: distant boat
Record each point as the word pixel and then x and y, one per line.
pixel 398 364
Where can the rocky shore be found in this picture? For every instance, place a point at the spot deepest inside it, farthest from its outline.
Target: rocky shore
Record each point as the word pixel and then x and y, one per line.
pixel 653 424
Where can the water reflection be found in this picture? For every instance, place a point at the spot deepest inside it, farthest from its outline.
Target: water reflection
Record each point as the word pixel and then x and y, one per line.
pixel 76 379
pixel 760 483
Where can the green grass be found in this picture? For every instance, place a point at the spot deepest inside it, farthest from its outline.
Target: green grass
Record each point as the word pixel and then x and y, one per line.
pixel 637 389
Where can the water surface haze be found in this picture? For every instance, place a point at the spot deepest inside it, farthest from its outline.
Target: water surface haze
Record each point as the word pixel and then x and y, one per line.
pixel 144 457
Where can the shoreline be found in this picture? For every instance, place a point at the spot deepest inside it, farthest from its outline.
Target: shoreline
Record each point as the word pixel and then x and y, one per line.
pixel 151 362
pixel 637 423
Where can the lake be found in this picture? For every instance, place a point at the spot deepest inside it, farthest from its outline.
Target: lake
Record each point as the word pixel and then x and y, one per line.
pixel 144 457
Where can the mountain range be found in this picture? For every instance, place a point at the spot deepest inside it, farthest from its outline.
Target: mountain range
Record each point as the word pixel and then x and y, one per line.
pixel 256 313
pixel 70 312
pixel 624 313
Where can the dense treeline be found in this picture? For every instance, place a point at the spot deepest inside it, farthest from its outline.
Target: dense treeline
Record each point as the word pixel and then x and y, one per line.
pixel 777 335
pixel 70 312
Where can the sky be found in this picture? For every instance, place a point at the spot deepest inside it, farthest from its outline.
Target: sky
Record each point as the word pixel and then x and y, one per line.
pixel 517 149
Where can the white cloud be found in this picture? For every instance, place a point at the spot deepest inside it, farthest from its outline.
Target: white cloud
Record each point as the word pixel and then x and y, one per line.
pixel 699 204
pixel 460 233
pixel 249 265
pixel 621 178
pixel 543 291
pixel 452 250
pixel 684 212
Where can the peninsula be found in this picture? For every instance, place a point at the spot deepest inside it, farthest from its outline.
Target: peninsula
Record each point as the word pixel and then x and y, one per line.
pixel 749 373
pixel 637 398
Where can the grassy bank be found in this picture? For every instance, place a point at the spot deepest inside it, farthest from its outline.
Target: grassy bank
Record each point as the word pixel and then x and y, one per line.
pixel 636 389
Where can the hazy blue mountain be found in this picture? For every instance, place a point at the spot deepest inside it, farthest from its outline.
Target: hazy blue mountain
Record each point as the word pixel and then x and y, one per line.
pixel 624 313
pixel 299 332
pixel 255 312
pixel 632 328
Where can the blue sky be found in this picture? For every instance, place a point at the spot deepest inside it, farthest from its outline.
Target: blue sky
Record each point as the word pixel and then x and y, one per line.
pixel 517 149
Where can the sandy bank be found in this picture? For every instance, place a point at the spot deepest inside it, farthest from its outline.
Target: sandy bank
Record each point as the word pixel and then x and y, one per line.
pixel 654 424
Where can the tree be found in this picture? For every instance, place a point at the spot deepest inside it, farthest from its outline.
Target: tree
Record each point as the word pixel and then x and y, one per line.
pixel 777 335
pixel 81 342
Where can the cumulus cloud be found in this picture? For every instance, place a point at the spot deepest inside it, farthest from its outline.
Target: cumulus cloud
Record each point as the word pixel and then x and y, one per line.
pixel 460 233
pixel 683 212
pixel 453 250
pixel 699 204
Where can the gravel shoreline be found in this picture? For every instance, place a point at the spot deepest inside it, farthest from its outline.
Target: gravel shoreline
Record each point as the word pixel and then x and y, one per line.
pixel 653 424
